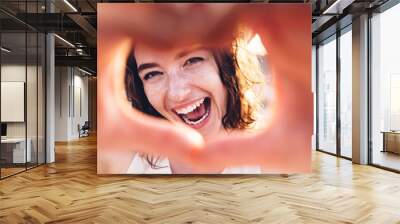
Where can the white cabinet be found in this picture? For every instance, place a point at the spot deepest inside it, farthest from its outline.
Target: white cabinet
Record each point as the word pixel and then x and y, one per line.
pixel 17 145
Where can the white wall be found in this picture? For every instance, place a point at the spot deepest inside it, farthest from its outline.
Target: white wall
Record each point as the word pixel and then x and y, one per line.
pixel 13 101
pixel 9 73
pixel 62 81
pixel 71 102
pixel 80 110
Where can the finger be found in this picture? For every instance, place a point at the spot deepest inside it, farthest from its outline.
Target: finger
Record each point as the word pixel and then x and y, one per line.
pixel 169 25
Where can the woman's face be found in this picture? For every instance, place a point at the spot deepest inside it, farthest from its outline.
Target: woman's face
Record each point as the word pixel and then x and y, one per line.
pixel 184 85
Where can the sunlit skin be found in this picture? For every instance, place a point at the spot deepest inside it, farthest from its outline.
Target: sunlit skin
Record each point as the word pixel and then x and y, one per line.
pixel 174 79
pixel 285 144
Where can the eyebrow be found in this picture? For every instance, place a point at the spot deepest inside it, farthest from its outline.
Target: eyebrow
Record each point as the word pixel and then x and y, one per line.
pixel 186 52
pixel 147 66
pixel 181 54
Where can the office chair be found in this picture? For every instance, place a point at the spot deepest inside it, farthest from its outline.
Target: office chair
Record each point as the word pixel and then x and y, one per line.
pixel 84 130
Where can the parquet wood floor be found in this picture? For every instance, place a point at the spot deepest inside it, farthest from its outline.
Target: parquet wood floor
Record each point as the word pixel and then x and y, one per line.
pixel 70 191
pixel 10 171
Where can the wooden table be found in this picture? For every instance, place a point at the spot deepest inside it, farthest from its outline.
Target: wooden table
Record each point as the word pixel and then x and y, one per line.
pixel 391 141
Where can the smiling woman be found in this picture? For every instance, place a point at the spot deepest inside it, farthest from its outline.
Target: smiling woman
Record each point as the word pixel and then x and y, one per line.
pixel 205 88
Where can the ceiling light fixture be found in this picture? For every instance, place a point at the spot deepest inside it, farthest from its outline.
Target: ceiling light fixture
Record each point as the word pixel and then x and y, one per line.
pixel 5 50
pixel 70 5
pixel 337 7
pixel 65 41
pixel 84 71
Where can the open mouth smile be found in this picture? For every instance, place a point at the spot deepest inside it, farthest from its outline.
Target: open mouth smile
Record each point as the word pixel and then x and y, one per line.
pixel 196 114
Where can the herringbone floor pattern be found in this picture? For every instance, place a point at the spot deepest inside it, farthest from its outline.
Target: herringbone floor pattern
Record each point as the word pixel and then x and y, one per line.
pixel 70 191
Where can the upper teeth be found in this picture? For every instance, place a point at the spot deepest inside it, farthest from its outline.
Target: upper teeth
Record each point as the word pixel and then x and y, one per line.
pixel 190 108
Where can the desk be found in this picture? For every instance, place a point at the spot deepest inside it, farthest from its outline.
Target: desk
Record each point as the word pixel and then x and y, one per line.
pixel 15 148
pixel 391 141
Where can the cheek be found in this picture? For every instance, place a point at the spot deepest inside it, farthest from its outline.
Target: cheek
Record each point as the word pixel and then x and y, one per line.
pixel 155 96
pixel 208 79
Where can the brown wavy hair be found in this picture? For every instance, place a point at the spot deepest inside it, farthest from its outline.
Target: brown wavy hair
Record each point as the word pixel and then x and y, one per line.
pixel 241 111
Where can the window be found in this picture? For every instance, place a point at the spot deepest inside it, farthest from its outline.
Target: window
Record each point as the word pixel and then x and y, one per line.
pixel 327 95
pixel 346 93
pixel 385 88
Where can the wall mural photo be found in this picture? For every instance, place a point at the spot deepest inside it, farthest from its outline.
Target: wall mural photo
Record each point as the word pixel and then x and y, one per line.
pixel 204 88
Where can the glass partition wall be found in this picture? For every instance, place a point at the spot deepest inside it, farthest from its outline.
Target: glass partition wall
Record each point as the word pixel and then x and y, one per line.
pixel 334 85
pixel 22 88
pixel 13 146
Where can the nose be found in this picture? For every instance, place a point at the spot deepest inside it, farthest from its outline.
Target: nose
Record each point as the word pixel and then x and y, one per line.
pixel 178 87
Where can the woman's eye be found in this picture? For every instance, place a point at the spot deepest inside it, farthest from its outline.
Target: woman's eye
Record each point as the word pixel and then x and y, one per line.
pixel 193 60
pixel 150 75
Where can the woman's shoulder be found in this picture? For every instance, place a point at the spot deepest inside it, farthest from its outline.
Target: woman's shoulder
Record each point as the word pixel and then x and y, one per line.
pixel 140 165
pixel 243 170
